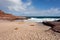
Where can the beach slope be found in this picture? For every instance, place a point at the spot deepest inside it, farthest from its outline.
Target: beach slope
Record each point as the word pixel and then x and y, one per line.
pixel 26 31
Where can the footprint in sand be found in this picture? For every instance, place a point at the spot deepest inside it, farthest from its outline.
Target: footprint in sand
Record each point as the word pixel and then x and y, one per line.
pixel 32 25
pixel 16 28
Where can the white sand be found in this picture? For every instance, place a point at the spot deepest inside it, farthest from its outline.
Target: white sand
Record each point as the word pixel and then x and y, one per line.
pixel 24 31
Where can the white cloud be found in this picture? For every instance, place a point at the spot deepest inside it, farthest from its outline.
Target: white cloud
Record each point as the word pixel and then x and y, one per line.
pixel 16 5
pixel 14 1
pixel 27 8
pixel 46 11
pixel 52 10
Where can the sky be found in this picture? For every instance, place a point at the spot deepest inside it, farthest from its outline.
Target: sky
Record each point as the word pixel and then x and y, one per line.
pixel 31 7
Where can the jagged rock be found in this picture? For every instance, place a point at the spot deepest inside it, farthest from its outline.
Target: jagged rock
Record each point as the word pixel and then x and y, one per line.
pixel 5 16
pixel 55 25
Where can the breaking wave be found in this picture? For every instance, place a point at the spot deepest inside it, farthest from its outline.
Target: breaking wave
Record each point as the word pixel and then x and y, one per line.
pixel 42 19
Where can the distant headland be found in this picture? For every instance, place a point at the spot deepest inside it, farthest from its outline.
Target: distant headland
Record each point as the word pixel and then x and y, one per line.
pixel 6 16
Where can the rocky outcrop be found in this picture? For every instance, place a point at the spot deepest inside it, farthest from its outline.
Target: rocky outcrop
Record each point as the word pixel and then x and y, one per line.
pixel 57 20
pixel 55 25
pixel 5 16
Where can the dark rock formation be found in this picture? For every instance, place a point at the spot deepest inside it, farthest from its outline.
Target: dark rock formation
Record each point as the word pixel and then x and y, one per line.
pixel 55 25
pixel 48 24
pixel 5 16
pixel 57 20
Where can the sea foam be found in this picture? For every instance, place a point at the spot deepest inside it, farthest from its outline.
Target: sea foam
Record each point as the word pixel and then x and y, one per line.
pixel 41 19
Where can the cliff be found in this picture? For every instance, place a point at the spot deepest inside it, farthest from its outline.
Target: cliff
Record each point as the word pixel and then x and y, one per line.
pixel 5 16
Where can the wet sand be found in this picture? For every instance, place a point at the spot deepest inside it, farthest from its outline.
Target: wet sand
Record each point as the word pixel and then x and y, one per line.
pixel 26 31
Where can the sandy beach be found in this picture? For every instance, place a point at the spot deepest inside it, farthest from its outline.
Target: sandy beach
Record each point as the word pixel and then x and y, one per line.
pixel 26 31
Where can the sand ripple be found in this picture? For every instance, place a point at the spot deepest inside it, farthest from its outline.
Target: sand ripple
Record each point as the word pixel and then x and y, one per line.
pixel 28 33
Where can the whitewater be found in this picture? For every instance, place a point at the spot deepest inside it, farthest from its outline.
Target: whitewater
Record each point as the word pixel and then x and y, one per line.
pixel 42 19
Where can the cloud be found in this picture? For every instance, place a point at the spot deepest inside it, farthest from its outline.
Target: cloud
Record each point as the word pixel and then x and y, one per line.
pixel 48 11
pixel 52 11
pixel 27 7
pixel 16 5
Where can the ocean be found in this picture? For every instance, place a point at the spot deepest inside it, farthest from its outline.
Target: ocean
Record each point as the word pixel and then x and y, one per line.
pixel 42 18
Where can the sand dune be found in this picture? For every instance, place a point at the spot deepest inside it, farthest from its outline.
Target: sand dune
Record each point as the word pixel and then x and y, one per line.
pixel 26 31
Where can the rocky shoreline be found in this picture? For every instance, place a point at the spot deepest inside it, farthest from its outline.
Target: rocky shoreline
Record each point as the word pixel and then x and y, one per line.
pixel 5 16
pixel 55 25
